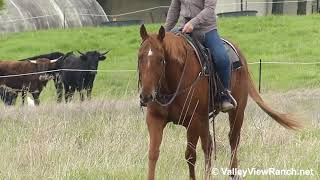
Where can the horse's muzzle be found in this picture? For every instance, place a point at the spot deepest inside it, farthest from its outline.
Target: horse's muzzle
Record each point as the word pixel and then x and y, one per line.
pixel 145 99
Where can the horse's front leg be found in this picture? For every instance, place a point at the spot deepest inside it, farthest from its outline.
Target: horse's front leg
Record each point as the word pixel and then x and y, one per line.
pixel 156 124
pixel 191 156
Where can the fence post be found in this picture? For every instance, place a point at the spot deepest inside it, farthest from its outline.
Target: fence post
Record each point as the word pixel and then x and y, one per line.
pixel 260 74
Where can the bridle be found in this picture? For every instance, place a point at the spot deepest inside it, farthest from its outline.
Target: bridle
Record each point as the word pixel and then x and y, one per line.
pixel 165 100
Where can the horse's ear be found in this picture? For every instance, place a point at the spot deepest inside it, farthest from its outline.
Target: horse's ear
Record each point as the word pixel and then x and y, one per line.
pixel 143 32
pixel 162 33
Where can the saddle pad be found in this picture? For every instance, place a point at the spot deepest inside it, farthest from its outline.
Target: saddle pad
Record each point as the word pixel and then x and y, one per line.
pixel 233 54
pixel 195 41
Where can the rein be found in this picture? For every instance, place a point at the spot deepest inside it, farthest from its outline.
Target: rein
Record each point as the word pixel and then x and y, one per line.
pixel 177 92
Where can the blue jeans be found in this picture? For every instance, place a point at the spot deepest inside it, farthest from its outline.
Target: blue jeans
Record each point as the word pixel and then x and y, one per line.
pixel 213 42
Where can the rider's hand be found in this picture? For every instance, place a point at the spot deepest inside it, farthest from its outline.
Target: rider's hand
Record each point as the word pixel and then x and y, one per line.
pixel 188 28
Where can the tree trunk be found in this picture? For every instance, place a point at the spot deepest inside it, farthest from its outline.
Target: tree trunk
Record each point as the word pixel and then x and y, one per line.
pixel 277 7
pixel 302 8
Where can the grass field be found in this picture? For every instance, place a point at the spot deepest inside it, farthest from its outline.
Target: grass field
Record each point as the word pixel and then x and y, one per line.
pixel 292 39
pixel 106 138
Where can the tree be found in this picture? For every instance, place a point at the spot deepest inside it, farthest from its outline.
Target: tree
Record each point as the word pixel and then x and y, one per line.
pixel 1 3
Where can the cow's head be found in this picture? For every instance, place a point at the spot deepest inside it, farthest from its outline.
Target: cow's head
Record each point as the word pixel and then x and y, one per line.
pixel 48 66
pixel 44 64
pixel 90 60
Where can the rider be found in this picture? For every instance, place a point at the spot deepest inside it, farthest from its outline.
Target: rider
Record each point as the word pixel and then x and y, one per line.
pixel 200 15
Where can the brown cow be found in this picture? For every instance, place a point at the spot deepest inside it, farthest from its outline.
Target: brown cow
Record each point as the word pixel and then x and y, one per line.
pixel 24 81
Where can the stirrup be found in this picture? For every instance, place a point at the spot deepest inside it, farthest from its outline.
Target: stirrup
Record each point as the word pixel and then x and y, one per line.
pixel 226 106
pixel 233 101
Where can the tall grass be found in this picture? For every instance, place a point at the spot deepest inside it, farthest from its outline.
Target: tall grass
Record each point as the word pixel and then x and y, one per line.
pixel 108 139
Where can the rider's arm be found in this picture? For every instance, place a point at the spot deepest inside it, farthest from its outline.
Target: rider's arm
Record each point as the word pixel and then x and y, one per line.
pixel 173 15
pixel 206 14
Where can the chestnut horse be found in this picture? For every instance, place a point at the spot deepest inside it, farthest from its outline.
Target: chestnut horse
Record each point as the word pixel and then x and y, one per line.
pixel 168 65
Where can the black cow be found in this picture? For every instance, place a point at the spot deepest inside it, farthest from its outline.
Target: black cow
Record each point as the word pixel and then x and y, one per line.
pixel 80 80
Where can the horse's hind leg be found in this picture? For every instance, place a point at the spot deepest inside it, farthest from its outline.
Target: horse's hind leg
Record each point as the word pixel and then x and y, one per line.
pixel 235 120
pixel 240 93
pixel 206 143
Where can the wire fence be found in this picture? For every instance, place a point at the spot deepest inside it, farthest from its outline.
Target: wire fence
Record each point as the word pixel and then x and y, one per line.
pixel 122 83
pixel 285 63
pixel 134 70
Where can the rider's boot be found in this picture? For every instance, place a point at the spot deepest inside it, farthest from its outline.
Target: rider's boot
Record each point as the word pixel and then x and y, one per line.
pixel 227 102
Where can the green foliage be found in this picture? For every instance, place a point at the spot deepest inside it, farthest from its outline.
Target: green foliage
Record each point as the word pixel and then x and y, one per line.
pixel 1 3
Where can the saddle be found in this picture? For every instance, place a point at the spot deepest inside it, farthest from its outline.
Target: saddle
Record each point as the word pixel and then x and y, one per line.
pixel 195 40
pixel 208 68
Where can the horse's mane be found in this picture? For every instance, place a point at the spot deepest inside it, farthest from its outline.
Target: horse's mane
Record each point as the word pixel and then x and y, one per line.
pixel 176 48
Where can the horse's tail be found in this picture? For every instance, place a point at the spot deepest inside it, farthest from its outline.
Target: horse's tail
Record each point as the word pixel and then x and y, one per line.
pixel 286 120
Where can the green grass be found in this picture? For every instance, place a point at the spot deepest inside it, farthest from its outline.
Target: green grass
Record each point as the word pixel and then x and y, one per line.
pixel 273 38
pixel 279 38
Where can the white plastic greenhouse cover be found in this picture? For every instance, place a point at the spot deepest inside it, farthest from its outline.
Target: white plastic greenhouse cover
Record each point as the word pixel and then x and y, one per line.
pixel 22 15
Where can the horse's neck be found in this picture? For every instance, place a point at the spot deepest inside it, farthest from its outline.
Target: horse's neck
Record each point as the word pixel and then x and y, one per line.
pixel 186 72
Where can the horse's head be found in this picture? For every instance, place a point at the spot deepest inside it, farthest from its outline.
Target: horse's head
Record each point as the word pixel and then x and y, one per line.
pixel 151 64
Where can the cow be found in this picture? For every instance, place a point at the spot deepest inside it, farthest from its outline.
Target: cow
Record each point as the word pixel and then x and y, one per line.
pixel 57 75
pixel 73 79
pixel 9 96
pixel 15 76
